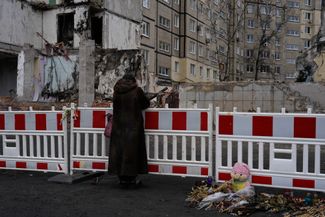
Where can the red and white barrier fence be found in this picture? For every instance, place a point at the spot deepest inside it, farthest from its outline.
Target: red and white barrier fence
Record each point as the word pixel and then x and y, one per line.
pixel 173 137
pixel 33 140
pixel 284 150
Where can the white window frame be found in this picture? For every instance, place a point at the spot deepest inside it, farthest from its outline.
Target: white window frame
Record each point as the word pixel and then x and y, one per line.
pixel 164 46
pixel 176 66
pixel 192 69
pixel 163 71
pixel 192 24
pixel 192 47
pixel 176 20
pixel 176 43
pixel 146 4
pixel 146 29
pixel 165 22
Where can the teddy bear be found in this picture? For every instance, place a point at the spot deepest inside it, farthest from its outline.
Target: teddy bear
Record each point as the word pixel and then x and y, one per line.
pixel 240 177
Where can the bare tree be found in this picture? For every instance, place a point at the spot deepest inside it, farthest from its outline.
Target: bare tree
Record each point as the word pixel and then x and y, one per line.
pixel 271 19
pixel 226 13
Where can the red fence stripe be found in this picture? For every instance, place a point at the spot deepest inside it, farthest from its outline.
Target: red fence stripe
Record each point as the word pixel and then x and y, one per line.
pixel 179 121
pixel 262 126
pixel 180 169
pixel 224 176
pixel 98 165
pixel 226 124
pixel 2 121
pixel 22 165
pixel 303 183
pixel 305 127
pixel 152 120
pixel 204 171
pixel 40 121
pixel 264 180
pixel 153 168
pixel 20 122
pixel 76 164
pixel 204 121
pixel 3 164
pixel 76 121
pixel 42 166
pixel 59 121
pixel 99 119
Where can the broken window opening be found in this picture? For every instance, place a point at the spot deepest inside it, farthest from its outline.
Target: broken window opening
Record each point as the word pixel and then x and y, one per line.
pixel 66 28
pixel 8 76
pixel 97 30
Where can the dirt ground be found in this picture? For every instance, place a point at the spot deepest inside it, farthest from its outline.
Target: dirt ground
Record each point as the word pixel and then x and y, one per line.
pixel 29 194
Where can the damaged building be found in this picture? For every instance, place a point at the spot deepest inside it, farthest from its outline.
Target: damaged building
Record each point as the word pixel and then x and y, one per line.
pixel 49 48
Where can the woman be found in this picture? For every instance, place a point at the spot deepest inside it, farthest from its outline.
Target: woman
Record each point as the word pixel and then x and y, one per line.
pixel 127 152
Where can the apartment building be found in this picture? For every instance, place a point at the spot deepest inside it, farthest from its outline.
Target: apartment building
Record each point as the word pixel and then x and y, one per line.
pixel 178 40
pixel 291 26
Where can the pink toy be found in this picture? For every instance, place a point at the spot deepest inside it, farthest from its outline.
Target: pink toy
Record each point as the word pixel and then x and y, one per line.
pixel 240 176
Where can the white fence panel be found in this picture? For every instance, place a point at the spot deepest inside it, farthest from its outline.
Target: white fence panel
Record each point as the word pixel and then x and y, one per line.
pixel 179 141
pixel 283 150
pixel 34 140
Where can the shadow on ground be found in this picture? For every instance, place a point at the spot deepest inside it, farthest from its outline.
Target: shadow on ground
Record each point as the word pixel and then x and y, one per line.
pixel 28 194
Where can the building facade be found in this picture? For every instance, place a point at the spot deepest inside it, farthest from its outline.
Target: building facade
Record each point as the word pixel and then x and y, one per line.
pixel 182 39
pixel 276 33
pixel 53 31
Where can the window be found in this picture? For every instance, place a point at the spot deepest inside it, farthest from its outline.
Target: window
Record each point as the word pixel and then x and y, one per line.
pixel 193 4
pixel 163 71
pixel 250 24
pixel 200 30
pixel 66 28
pixel 164 22
pixel 215 74
pixel 278 69
pixel 146 56
pixel 208 73
pixel 201 7
pixel 277 42
pixel 307 30
pixel 222 33
pixel 208 53
pixel 307 44
pixel 164 46
pixel 222 49
pixel 249 68
pixel 249 53
pixel 308 2
pixel 146 3
pixel 201 71
pixel 265 54
pixel 145 28
pixel 176 20
pixel 176 66
pixel 192 25
pixel 277 55
pixel 192 47
pixel 176 43
pixel 200 50
pixel 176 2
pixel 292 4
pixel 250 38
pixel 307 16
pixel 192 69
pixel 265 68
pixel 250 9
pixel 292 47
pixel 277 12
pixel 292 32
pixel 291 61
pixel 294 19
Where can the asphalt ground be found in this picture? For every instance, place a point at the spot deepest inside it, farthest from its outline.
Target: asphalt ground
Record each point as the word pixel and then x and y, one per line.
pixel 30 194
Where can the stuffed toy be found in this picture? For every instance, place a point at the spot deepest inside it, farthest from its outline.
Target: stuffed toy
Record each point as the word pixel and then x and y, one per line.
pixel 240 177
